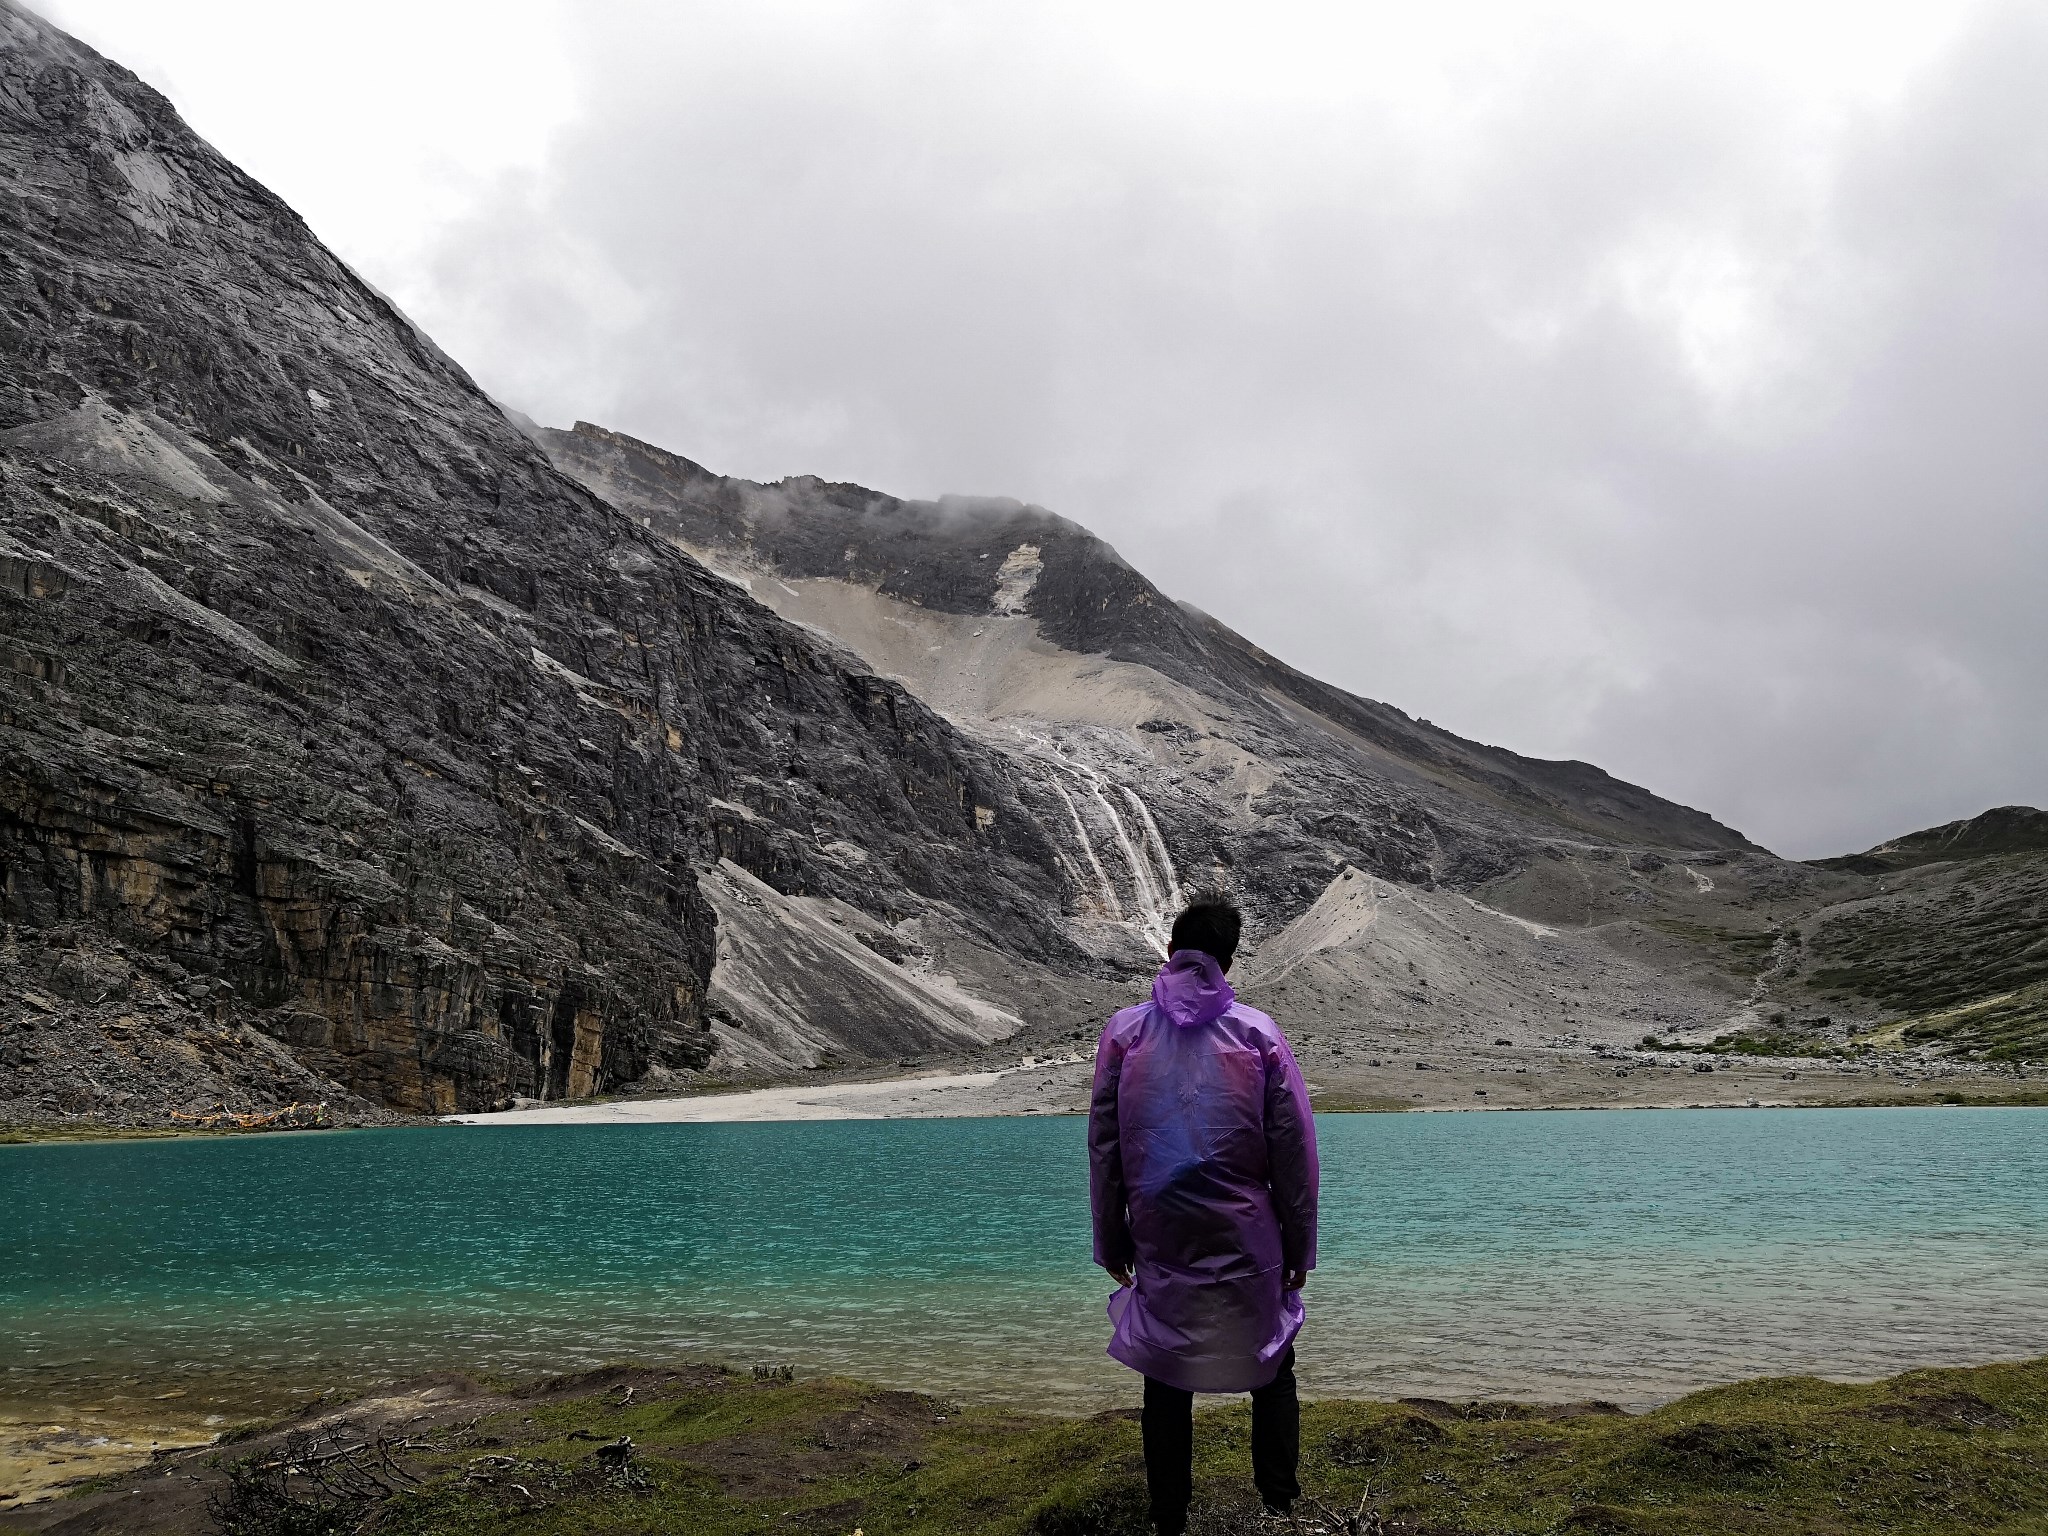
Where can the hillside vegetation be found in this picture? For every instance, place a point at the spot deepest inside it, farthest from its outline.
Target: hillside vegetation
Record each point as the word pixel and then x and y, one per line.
pixel 2002 829
pixel 1961 950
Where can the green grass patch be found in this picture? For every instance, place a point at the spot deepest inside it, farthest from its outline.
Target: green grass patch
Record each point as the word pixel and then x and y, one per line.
pixel 21 1135
pixel 1947 1451
pixel 1341 1103
pixel 1747 1042
pixel 1972 1097
pixel 2009 1027
pixel 1743 952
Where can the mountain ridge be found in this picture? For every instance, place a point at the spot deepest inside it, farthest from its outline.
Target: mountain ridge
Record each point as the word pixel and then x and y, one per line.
pixel 2000 830
pixel 1087 599
pixel 362 744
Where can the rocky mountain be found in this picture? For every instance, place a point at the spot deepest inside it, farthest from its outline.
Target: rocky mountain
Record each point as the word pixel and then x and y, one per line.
pixel 346 747
pixel 361 744
pixel 1415 889
pixel 1395 874
pixel 1031 633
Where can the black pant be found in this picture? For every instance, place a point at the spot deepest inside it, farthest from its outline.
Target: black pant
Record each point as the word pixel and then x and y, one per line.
pixel 1169 1425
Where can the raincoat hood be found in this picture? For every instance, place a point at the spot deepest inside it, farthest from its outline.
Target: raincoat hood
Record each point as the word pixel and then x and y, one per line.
pixel 1190 988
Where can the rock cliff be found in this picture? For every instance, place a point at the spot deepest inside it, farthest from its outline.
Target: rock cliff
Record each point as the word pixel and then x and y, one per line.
pixel 332 715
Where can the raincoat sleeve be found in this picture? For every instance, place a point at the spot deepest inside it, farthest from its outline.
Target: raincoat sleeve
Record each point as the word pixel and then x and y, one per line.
pixel 1106 1195
pixel 1291 1157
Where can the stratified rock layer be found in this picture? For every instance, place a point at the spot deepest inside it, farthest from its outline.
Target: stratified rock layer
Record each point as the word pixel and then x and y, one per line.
pixel 328 706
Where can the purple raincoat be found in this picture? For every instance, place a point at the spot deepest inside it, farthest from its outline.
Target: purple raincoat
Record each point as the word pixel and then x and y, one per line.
pixel 1202 1163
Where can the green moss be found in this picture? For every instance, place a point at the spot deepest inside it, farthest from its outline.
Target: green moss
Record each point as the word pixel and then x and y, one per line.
pixel 20 1135
pixel 1935 1451
pixel 1743 952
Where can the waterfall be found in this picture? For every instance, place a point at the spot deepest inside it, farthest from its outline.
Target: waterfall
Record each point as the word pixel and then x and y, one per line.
pixel 1153 919
pixel 1154 882
pixel 1141 872
pixel 1175 900
pixel 1111 907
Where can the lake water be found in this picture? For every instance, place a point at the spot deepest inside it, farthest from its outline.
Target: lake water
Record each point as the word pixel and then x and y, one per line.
pixel 1628 1255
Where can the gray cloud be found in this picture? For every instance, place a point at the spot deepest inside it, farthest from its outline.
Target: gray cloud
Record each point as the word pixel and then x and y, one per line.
pixel 1598 391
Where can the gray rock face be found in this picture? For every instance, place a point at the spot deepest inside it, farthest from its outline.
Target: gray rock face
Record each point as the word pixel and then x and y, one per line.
pixel 357 745
pixel 950 556
pixel 320 684
pixel 1317 779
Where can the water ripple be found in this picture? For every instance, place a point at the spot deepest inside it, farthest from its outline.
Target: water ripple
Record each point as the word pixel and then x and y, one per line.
pixel 1620 1255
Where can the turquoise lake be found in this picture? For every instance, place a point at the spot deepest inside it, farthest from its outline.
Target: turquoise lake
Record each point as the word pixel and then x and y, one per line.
pixel 1624 1255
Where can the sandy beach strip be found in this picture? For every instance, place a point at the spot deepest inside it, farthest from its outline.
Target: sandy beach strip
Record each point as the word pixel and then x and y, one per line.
pixel 1060 1085
pixel 931 1095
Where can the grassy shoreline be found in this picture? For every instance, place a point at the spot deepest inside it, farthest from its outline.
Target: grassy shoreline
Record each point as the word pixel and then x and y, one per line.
pixel 36 1132
pixel 718 1452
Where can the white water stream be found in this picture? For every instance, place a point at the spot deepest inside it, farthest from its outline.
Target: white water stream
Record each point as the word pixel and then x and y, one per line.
pixel 1111 907
pixel 1174 900
pixel 1154 883
pixel 1129 837
pixel 1147 897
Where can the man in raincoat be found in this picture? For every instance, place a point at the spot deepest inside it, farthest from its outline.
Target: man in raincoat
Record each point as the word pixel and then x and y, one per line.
pixel 1202 1163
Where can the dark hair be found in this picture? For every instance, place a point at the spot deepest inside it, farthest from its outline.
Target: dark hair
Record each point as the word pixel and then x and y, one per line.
pixel 1211 924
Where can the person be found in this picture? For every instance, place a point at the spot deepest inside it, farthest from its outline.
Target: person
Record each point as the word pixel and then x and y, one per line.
pixel 1203 1184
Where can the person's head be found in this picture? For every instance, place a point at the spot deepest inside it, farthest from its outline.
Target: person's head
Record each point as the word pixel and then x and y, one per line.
pixel 1211 924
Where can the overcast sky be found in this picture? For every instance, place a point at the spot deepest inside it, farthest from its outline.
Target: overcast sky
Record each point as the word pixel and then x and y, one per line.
pixel 1660 386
